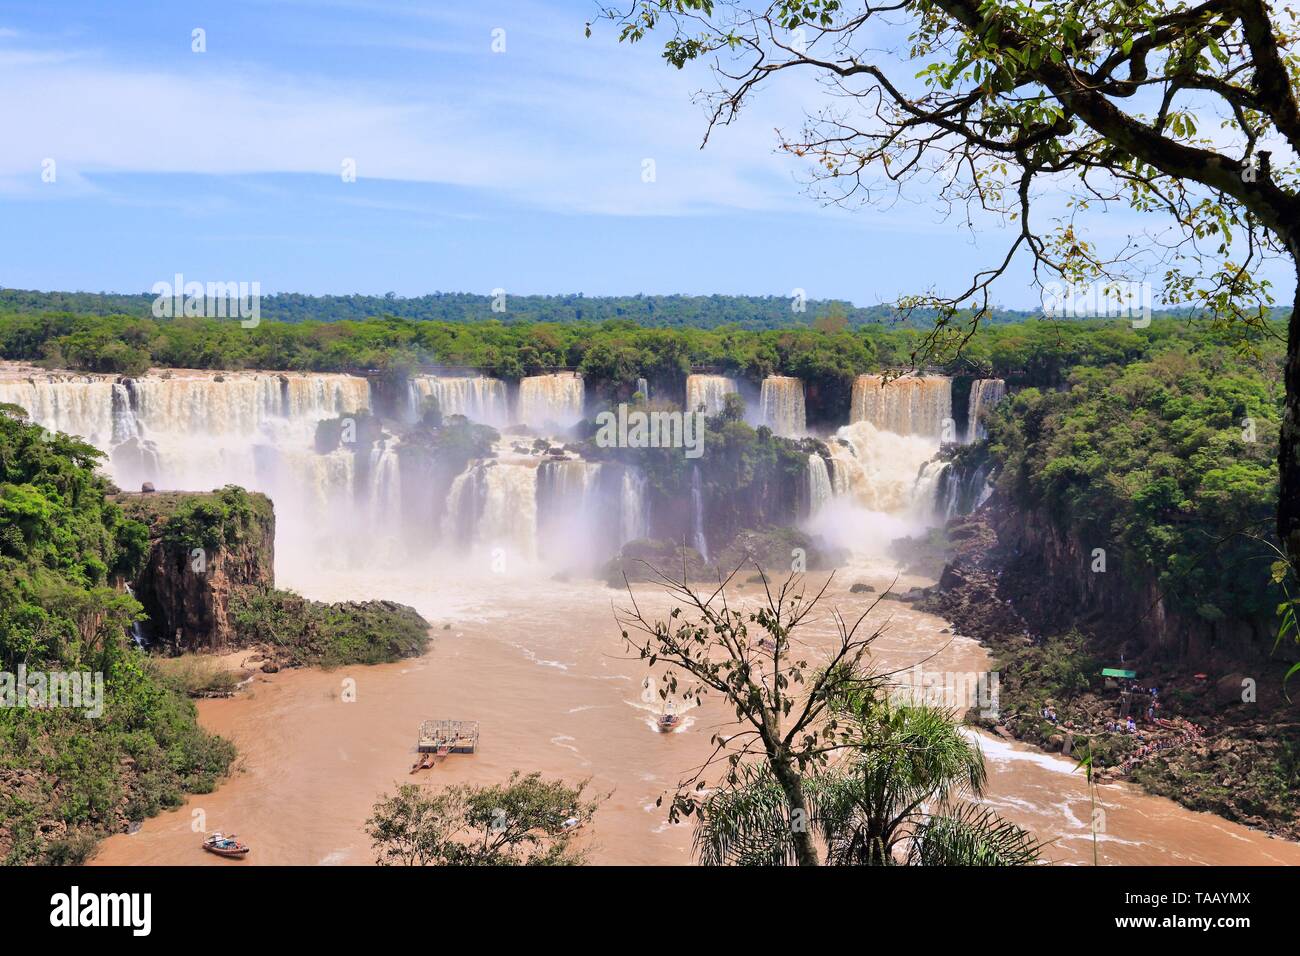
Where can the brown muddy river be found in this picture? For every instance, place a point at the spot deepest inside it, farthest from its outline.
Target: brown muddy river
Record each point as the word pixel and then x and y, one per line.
pixel 540 664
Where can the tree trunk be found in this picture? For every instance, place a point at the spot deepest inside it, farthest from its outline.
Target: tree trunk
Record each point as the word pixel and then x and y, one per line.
pixel 1288 501
pixel 805 850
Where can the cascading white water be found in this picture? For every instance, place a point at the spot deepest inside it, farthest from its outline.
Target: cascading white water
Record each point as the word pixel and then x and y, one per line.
pixel 195 431
pixel 509 517
pixel 946 490
pixel 881 467
pixel 633 516
pixel 699 539
pixel 569 512
pixel 878 485
pixel 984 394
pixel 708 391
pixel 961 491
pixel 910 405
pixel 385 500
pixel 492 509
pixel 137 631
pixel 198 430
pixel 926 503
pixel 77 405
pixel 781 405
pixel 820 489
pixel 479 398
pixel 587 510
pixel 551 401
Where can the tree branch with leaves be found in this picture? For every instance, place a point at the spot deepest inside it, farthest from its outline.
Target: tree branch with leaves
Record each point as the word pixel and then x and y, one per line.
pixel 1002 111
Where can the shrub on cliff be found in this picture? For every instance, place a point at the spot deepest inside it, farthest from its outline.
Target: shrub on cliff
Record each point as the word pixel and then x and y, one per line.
pixel 221 519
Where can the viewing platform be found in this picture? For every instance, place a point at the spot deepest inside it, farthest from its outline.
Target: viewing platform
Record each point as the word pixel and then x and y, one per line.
pixel 441 738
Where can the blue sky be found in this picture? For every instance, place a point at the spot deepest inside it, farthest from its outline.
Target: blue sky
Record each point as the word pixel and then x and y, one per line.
pixel 475 170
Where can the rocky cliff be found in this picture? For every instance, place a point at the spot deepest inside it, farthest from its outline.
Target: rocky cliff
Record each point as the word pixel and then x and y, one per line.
pixel 1226 738
pixel 1055 580
pixel 203 547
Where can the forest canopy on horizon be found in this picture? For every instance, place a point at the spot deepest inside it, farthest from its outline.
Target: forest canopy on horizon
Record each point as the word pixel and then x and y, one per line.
pixel 660 311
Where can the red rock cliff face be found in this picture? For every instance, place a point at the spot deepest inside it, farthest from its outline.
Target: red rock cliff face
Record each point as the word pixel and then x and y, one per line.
pixel 185 587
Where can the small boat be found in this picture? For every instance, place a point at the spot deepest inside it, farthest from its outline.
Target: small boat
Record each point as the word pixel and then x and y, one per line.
pixel 667 721
pixel 226 846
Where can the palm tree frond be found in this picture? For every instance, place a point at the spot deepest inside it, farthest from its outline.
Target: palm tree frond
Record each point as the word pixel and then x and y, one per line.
pixel 971 835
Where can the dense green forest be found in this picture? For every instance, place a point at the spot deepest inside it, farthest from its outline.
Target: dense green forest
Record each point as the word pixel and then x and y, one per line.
pixel 1168 461
pixel 66 776
pixel 651 311
pixel 611 355
pixel 665 311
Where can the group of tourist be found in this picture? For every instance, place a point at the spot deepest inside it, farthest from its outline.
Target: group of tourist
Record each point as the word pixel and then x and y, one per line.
pixel 1145 701
pixel 1190 732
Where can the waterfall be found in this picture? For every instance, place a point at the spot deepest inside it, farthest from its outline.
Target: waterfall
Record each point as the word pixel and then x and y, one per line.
pixel 509 516
pixel 881 467
pixel 464 502
pixel 137 633
pixel 479 398
pixel 493 505
pixel 947 493
pixel 877 485
pixel 820 489
pixel 587 510
pixel 709 391
pixel 782 405
pixel 984 394
pixel 77 405
pixel 643 386
pixel 633 516
pixel 911 405
pixel 959 491
pixel 570 522
pixel 383 495
pixel 929 492
pixel 195 431
pixel 551 401
pixel 700 541
pixel 125 427
pixel 241 403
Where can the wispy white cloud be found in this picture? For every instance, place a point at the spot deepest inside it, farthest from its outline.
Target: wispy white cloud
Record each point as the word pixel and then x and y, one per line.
pixel 557 122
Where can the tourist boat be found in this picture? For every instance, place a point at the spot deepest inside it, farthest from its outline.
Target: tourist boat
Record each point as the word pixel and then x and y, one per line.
pixel 226 846
pixel 668 720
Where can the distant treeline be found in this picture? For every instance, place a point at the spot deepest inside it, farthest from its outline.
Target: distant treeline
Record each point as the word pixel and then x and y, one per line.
pixel 611 355
pixel 654 311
